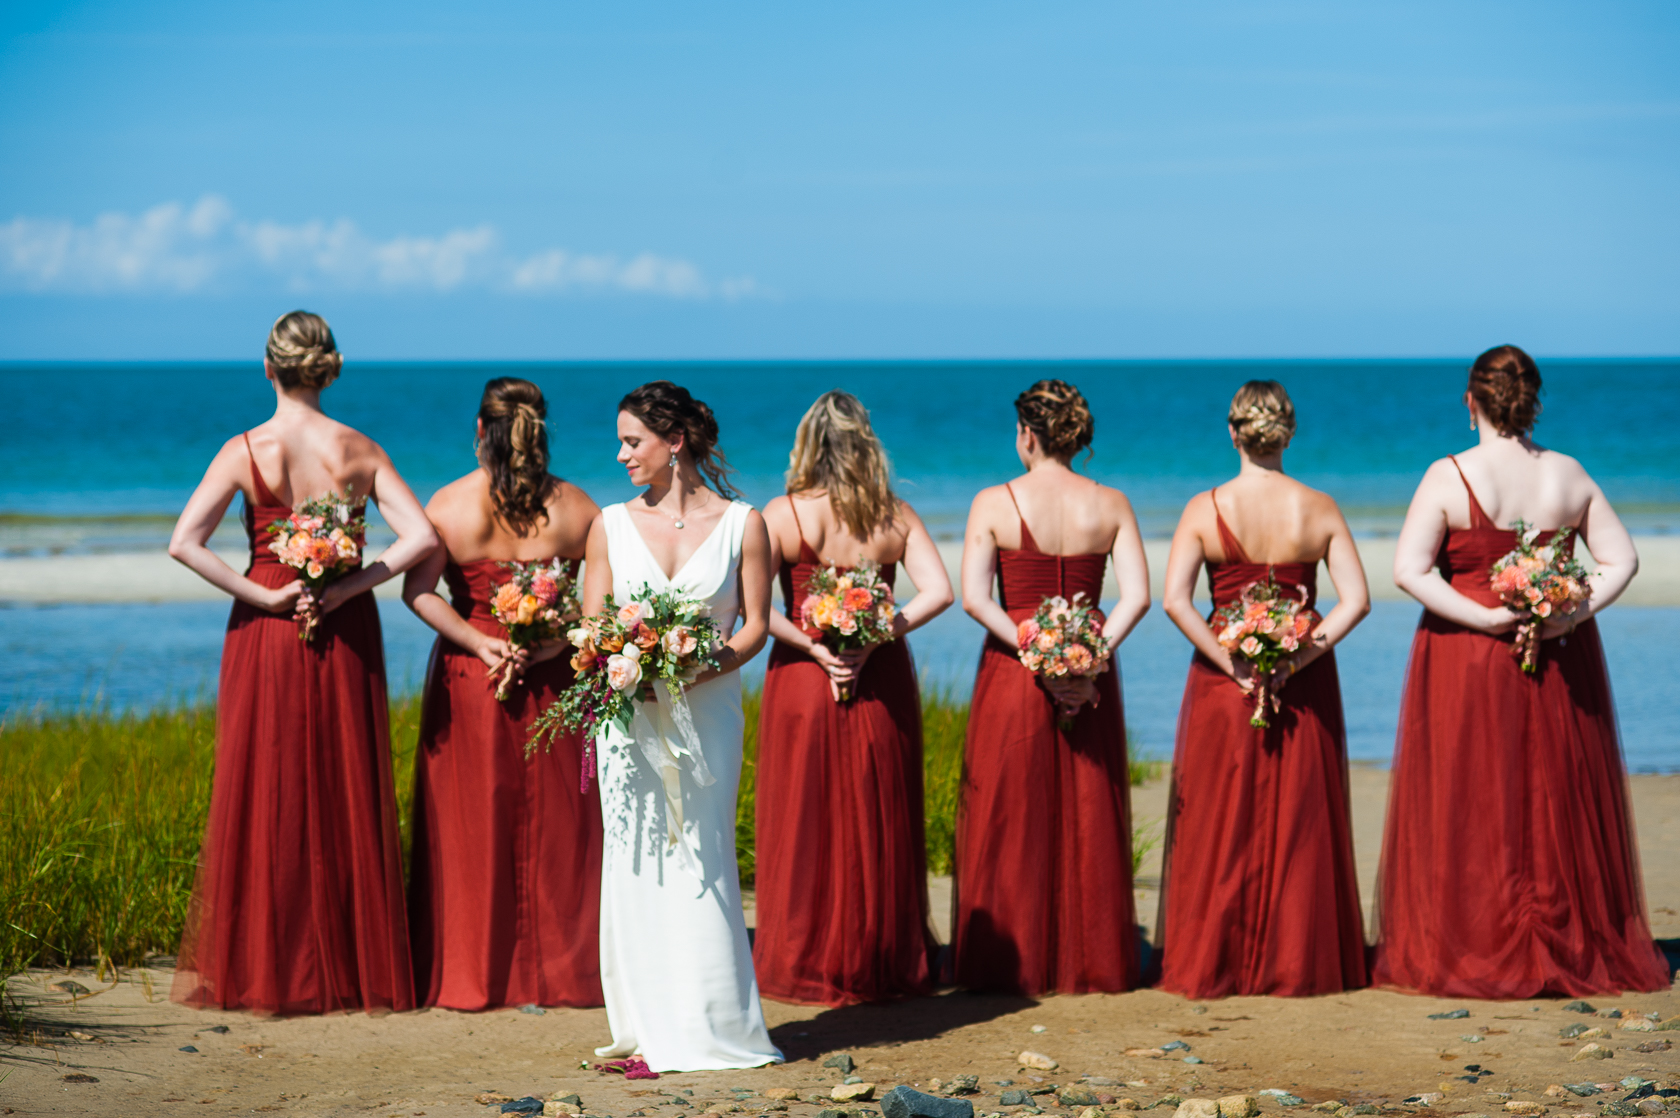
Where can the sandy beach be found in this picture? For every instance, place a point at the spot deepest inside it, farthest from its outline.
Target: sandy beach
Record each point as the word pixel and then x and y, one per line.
pixel 1367 1046
pixel 152 576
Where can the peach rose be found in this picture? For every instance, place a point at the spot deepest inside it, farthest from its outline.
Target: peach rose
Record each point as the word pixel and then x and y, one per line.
pixel 1026 633
pixel 623 673
pixel 1079 659
pixel 1289 643
pixel 314 569
pixel 681 641
pixel 631 614
pixel 1251 647
pixel 581 638
pixel 1046 642
pixel 846 622
pixel 1543 609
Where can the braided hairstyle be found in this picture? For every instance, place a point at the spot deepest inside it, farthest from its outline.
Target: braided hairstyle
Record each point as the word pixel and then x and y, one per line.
pixel 1057 413
pixel 667 409
pixel 1263 417
pixel 301 351
pixel 1506 383
pixel 514 451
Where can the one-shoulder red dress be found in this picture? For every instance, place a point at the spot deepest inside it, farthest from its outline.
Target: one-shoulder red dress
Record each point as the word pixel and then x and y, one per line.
pixel 504 900
pixel 842 854
pixel 298 906
pixel 1043 882
pixel 1259 891
pixel 1509 868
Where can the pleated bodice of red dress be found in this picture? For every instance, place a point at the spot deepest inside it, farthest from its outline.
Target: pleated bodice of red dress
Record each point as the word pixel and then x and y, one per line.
pixel 1043 879
pixel 505 863
pixel 842 854
pixel 1259 891
pixel 298 906
pixel 1509 868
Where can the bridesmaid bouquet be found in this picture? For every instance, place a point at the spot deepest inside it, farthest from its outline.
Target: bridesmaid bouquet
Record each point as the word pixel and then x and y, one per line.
pixel 656 637
pixel 1063 640
pixel 1539 583
pixel 533 605
pixel 322 540
pixel 852 609
pixel 1262 626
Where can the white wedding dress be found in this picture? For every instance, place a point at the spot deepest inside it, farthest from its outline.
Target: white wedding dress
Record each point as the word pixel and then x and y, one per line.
pixel 675 965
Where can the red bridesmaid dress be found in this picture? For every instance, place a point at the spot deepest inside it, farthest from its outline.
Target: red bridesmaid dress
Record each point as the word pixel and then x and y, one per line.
pixel 1509 868
pixel 842 855
pixel 504 896
pixel 1043 889
pixel 299 901
pixel 1259 893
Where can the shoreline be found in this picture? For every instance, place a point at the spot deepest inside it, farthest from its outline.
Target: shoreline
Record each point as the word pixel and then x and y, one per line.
pixel 137 577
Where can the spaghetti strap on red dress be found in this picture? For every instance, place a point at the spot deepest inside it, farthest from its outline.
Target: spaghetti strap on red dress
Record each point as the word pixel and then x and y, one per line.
pixel 1259 890
pixel 504 899
pixel 842 855
pixel 1509 868
pixel 298 906
pixel 1043 879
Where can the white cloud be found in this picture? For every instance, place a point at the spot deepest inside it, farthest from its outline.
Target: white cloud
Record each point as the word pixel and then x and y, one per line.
pixel 174 248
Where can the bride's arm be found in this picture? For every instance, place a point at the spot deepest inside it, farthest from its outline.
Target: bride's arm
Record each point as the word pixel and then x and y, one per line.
pixel 189 545
pixel 597 568
pixel 754 586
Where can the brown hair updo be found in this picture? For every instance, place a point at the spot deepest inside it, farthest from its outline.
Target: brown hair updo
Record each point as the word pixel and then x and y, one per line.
pixel 1506 383
pixel 301 351
pixel 1056 412
pixel 836 449
pixel 514 451
pixel 1263 417
pixel 667 409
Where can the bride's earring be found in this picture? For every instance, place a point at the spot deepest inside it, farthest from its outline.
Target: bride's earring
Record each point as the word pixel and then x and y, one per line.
pixel 1472 421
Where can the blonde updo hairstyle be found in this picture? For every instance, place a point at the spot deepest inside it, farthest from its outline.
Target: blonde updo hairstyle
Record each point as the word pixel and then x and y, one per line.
pixel 513 449
pixel 835 450
pixel 1262 417
pixel 1057 414
pixel 1506 383
pixel 301 351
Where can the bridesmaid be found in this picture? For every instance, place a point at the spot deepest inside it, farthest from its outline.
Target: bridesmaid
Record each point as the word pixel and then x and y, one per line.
pixel 842 880
pixel 1509 868
pixel 1043 890
pixel 1260 895
pixel 298 906
pixel 505 871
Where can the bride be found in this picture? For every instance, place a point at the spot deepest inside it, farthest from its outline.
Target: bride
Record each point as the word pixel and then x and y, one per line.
pixel 676 968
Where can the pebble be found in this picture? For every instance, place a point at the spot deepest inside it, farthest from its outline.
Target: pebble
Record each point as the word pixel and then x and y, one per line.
pixel 1426 1098
pixel 1579 1007
pixel 1198 1009
pixel 852 1079
pixel 1038 1060
pixel 1192 1059
pixel 575 1100
pixel 69 986
pixel 1127 1104
pixel 852 1092
pixel 963 1085
pixel 554 1109
pixel 781 1094
pixel 1329 1106
pixel 530 1104
pixel 1470 1038
pixel 1570 1032
pixel 1651 1106
pixel 1175 1046
pixel 1015 1098
pixel 1040 1029
pixel 187 1048
pixel 1654 1046
pixel 1238 1106
pixel 1145 1053
pixel 1197 1108
pixel 1100 1081
pixel 843 1061
pixel 905 1102
pixel 1076 1096
pixel 1525 1108
pixel 1450 1015
pixel 1638 1025
pixel 1592 1052
pixel 1671 1025
pixel 534 1010
pixel 1593 1033
pixel 1620 1109
pixel 1633 1082
pixel 1613 1014
pixel 1362 1108
pixel 219 1030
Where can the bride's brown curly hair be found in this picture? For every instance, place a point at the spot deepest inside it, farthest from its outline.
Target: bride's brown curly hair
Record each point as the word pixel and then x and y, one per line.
pixel 667 409
pixel 514 452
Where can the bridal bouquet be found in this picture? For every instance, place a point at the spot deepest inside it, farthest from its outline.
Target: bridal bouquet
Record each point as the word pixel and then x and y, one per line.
pixel 323 540
pixel 852 609
pixel 533 605
pixel 662 636
pixel 1063 640
pixel 1262 626
pixel 1539 583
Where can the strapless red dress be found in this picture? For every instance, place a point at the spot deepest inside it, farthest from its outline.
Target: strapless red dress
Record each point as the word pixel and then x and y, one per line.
pixel 1259 891
pixel 842 854
pixel 504 898
pixel 1043 880
pixel 1509 868
pixel 298 906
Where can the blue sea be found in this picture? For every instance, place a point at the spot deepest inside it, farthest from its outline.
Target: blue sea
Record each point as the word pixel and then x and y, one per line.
pixel 99 458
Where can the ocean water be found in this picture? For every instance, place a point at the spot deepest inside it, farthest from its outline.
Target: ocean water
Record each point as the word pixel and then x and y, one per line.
pixel 99 458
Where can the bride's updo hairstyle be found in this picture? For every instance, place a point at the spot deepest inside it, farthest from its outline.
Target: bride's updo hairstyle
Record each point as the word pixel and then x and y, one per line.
pixel 667 409
pixel 514 451
pixel 1058 415
pixel 1506 383
pixel 301 351
pixel 1263 417
pixel 836 449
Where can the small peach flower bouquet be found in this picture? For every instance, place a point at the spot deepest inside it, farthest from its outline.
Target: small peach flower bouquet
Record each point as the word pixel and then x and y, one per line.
pixel 534 605
pixel 1539 583
pixel 851 607
pixel 1063 640
pixel 1263 626
pixel 662 636
pixel 322 540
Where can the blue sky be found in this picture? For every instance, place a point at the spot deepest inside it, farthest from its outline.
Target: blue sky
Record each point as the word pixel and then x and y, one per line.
pixel 558 180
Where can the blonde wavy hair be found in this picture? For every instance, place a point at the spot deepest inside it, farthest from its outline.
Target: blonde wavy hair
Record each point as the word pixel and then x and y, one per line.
pixel 1263 416
pixel 837 451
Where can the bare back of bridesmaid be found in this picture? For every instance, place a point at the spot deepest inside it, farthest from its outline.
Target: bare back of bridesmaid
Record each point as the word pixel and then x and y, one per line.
pixel 298 904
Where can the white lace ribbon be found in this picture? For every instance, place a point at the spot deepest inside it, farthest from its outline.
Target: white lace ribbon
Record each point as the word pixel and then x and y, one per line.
pixel 673 742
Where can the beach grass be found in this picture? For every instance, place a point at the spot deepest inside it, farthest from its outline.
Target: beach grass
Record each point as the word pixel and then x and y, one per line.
pixel 102 814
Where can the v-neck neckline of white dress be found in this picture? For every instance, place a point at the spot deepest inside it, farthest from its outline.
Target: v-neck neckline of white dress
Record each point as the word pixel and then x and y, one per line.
pixel 671 579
